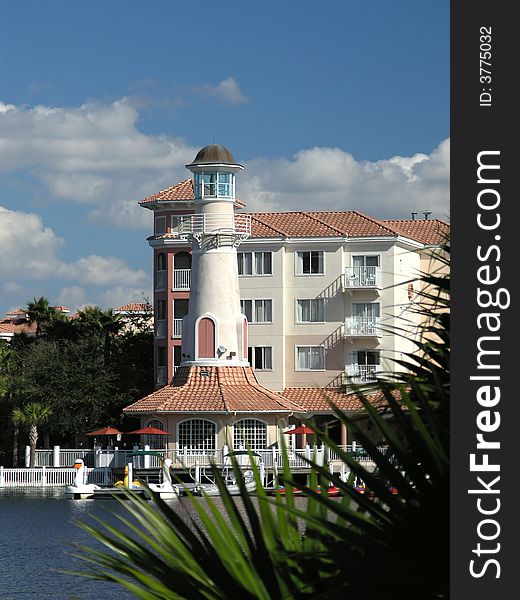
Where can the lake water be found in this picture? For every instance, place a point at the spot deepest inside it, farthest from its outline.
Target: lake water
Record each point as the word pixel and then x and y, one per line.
pixel 37 531
pixel 37 535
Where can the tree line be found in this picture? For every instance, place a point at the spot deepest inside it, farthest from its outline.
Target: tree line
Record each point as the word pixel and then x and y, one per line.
pixel 74 375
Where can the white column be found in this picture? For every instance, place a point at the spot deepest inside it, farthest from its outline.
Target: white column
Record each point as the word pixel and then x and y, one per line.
pixel 56 456
pixel 27 455
pixel 147 457
pixel 2 477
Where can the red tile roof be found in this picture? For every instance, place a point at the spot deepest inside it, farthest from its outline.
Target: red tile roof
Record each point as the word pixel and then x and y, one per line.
pixel 134 307
pixel 224 389
pixel 9 327
pixel 182 191
pixel 427 231
pixel 319 399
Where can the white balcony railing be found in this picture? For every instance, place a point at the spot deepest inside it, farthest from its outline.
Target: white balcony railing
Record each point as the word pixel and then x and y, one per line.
pixel 181 279
pixel 213 224
pixel 160 328
pixel 361 373
pixel 177 328
pixel 362 326
pixel 363 277
pixel 160 280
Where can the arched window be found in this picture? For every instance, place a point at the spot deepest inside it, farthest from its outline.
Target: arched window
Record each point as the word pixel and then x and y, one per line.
pixel 155 441
pixel 160 276
pixel 206 338
pixel 250 433
pixel 182 260
pixel 197 434
pixel 161 262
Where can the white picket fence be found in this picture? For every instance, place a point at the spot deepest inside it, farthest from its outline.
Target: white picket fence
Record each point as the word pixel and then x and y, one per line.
pixel 50 477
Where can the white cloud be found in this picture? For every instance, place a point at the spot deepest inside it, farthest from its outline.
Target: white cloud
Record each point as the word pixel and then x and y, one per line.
pixel 227 91
pixel 119 295
pixel 95 155
pixel 26 246
pixel 73 297
pixel 29 250
pixel 331 179
pixel 11 287
pixel 106 270
pixel 92 154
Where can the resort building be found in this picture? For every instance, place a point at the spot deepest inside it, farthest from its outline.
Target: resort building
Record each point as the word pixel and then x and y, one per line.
pixel 259 316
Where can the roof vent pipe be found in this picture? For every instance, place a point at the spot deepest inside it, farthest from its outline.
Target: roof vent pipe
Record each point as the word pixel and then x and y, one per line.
pixel 414 214
pixel 426 214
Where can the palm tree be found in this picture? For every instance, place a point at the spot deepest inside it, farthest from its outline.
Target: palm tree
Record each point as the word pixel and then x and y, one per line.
pixel 41 313
pixel 374 545
pixel 32 416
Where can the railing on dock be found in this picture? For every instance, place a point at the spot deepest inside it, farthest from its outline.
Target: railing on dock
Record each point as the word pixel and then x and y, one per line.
pixel 50 477
pixel 54 467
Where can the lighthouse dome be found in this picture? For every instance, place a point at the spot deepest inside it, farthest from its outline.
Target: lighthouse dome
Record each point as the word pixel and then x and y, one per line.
pixel 214 153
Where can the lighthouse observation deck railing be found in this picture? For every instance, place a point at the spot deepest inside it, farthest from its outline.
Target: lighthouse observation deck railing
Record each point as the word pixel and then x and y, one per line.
pixel 214 224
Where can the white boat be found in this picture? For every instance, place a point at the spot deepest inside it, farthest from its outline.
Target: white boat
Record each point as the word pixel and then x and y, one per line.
pixel 165 490
pixel 80 490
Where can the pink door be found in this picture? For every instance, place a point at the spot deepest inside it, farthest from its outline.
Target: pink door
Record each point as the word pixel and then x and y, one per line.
pixel 206 338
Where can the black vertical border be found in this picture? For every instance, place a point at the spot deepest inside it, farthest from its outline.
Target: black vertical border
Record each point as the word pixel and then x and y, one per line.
pixel 474 129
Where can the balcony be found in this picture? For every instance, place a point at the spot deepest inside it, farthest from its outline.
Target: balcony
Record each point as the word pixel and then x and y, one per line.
pixel 362 327
pixel 181 279
pixel 216 224
pixel 362 278
pixel 361 373
pixel 177 328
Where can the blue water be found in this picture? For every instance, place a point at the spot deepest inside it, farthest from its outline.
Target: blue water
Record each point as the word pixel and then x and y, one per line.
pixel 37 532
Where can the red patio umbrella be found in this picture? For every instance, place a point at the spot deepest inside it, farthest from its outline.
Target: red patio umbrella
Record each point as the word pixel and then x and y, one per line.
pixel 303 429
pixel 105 431
pixel 149 431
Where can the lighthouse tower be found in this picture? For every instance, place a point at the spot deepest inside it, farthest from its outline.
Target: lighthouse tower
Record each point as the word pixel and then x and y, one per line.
pixel 214 330
pixel 214 399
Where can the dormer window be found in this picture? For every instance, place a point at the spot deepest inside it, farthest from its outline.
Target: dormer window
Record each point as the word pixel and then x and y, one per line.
pixel 213 185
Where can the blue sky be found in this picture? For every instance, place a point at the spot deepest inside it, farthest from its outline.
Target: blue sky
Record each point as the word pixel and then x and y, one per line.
pixel 336 105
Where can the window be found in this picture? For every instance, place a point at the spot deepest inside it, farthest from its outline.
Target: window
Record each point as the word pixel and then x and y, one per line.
pixel 260 357
pixel 161 371
pixel 161 310
pixel 250 433
pixel 365 365
pixel 255 263
pixel 310 311
pixel 366 357
pixel 197 434
pixel 310 358
pixel 161 262
pixel 365 261
pixel 160 225
pixel 257 311
pixel 160 321
pixel 366 310
pixel 213 184
pixel 160 276
pixel 309 263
